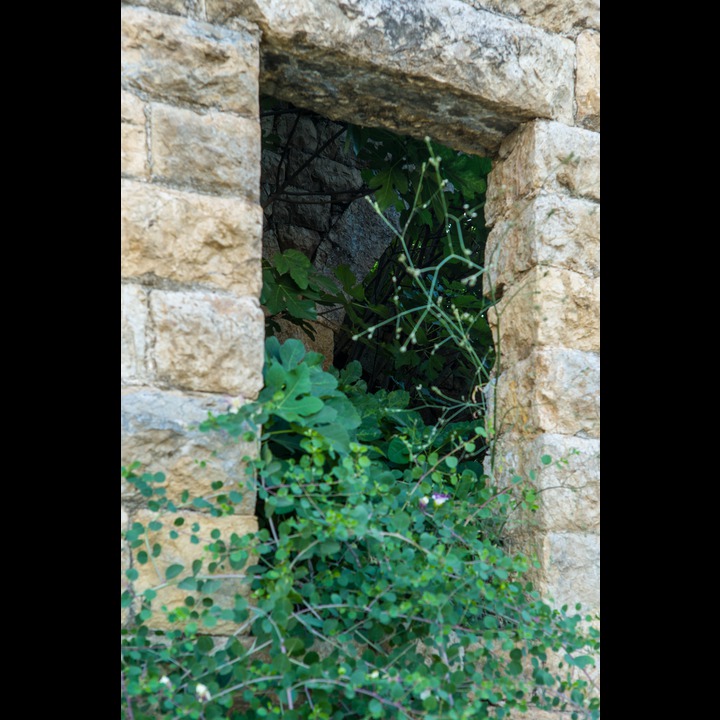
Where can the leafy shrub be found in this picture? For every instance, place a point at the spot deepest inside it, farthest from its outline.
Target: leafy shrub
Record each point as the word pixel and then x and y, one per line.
pixel 379 584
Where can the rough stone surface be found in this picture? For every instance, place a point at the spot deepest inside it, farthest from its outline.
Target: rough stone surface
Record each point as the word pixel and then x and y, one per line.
pixel 133 139
pixel 565 17
pixel 159 430
pixel 191 238
pixel 548 230
pixel 553 390
pixel 173 7
pixel 587 80
pixel 133 328
pixel 183 552
pixel 572 569
pixel 464 76
pixel 208 342
pixel 543 155
pixel 187 61
pixel 569 497
pixel 216 152
pixel 548 307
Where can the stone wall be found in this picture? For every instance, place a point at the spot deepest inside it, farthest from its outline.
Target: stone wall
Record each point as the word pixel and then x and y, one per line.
pixel 192 329
pixel 517 80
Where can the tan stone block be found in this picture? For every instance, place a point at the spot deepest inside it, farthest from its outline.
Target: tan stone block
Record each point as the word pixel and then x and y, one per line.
pixel 543 155
pixel 191 238
pixel 159 430
pixel 548 230
pixel 133 151
pixel 548 307
pixel 182 551
pixel 132 109
pixel 133 324
pixel 553 390
pixel 571 563
pixel 558 16
pixel 212 152
pixel 174 7
pixel 587 80
pixel 568 488
pixel 189 61
pixel 208 342
pixel 349 59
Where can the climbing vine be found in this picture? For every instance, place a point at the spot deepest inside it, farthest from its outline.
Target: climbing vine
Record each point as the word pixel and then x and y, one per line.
pixel 377 584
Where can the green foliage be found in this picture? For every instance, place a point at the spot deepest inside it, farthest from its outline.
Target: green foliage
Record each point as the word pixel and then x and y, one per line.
pixel 378 584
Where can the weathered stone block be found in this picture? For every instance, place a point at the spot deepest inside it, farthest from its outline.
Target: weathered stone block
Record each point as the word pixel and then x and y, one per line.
pixel 159 430
pixel 571 563
pixel 349 59
pixel 587 80
pixel 565 17
pixel 569 488
pixel 191 238
pixel 188 61
pixel 132 109
pixel 548 307
pixel 174 7
pixel 208 342
pixel 133 328
pixel 133 139
pixel 216 152
pixel 182 551
pixel 553 390
pixel 547 230
pixel 543 155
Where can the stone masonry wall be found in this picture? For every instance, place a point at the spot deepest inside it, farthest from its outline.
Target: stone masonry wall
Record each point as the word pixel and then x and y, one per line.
pixel 192 329
pixel 515 80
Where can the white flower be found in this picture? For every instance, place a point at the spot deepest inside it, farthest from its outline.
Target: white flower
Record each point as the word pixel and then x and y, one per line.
pixel 440 498
pixel 165 680
pixel 425 694
pixel 235 404
pixel 424 502
pixel 202 692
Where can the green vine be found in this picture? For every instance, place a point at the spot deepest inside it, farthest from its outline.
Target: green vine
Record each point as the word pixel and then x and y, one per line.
pixel 378 584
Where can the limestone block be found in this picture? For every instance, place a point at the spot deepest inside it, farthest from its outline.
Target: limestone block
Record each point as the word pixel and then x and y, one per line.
pixel 565 17
pixel 132 109
pixel 133 140
pixel 569 488
pixel 216 152
pixel 439 67
pixel 191 62
pixel 553 390
pixel 547 230
pixel 543 155
pixel 133 324
pixel 208 342
pixel 548 307
pixel 173 7
pixel 159 430
pixel 571 563
pixel 182 551
pixel 191 238
pixel 587 80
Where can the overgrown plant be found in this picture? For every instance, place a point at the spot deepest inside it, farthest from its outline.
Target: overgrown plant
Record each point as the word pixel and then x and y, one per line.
pixel 379 585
